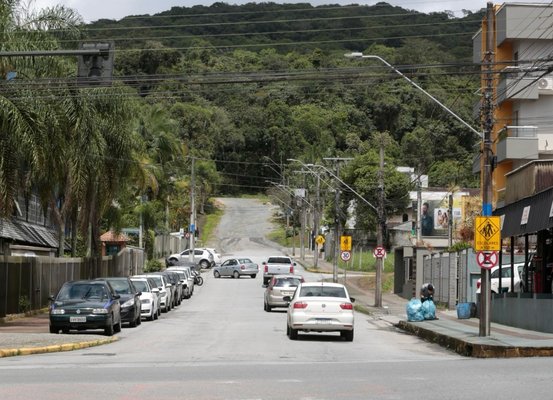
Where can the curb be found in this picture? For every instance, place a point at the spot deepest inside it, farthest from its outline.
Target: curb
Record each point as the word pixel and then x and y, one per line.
pixel 475 350
pixel 24 351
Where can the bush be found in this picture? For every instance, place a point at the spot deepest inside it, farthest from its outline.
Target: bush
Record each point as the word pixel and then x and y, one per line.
pixel 153 265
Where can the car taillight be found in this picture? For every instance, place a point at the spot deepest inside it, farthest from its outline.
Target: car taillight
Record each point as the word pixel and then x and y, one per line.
pixel 478 285
pixel 300 304
pixel 291 269
pixel 242 266
pixel 266 268
pixel 346 306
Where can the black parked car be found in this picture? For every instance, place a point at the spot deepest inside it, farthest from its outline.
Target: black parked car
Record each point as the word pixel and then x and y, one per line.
pixel 130 299
pixel 84 305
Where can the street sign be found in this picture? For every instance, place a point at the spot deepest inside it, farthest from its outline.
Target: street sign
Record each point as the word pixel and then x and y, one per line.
pixel 345 243
pixel 187 235
pixel 379 252
pixel 345 255
pixel 487 234
pixel 320 239
pixel 487 259
pixel 192 228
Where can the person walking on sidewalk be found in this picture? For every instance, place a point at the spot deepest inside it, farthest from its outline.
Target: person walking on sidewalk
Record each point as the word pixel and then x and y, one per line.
pixel 427 292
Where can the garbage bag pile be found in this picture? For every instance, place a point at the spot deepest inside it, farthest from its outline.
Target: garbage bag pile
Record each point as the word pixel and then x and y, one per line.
pixel 419 311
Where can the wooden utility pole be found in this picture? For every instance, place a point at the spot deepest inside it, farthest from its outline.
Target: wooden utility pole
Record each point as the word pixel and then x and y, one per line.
pixel 192 228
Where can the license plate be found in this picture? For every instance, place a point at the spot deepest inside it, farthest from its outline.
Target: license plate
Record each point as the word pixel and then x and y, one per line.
pixel 323 320
pixel 77 319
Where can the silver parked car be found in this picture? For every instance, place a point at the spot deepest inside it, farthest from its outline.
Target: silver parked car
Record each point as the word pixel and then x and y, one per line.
pixel 280 286
pixel 236 267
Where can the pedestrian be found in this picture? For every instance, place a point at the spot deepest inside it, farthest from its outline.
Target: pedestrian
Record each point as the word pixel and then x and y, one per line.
pixel 427 292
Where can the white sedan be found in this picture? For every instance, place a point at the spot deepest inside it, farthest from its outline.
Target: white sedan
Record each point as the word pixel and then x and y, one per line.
pixel 320 307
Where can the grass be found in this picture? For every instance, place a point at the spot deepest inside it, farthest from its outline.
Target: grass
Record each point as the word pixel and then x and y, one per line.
pixel 210 224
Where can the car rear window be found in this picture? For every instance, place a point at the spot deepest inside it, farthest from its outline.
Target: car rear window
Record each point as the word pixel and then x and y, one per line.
pixel 322 291
pixel 245 261
pixel 287 282
pixel 279 260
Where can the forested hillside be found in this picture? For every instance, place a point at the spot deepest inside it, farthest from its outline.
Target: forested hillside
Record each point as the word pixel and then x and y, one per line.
pixel 241 90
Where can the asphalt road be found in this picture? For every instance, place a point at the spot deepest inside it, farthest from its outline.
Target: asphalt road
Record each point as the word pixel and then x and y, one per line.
pixel 220 344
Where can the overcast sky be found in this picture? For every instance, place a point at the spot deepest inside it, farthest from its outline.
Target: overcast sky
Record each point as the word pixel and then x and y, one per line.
pixel 92 10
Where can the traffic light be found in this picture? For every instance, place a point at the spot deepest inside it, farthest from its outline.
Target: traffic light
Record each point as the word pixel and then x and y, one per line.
pixel 95 69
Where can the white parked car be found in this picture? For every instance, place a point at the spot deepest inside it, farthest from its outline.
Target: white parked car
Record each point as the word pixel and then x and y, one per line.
pixel 505 278
pixel 164 287
pixel 320 307
pixel 149 297
pixel 202 257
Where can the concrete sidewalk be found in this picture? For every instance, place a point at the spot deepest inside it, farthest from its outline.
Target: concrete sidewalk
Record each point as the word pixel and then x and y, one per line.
pixel 459 335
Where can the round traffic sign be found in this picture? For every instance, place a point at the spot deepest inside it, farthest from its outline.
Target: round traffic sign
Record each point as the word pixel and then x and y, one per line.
pixel 487 259
pixel 187 235
pixel 345 255
pixel 379 252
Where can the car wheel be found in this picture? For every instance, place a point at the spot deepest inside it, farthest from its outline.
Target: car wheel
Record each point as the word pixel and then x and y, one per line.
pixel 253 276
pixel 204 264
pixel 287 330
pixel 132 323
pixel 139 319
pixel 269 308
pixel 293 333
pixel 348 335
pixel 216 274
pixel 117 327
pixel 265 281
pixel 54 329
pixel 109 330
pixel 236 274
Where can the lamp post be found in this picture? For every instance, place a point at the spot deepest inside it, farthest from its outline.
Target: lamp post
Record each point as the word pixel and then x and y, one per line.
pixel 486 178
pixel 374 57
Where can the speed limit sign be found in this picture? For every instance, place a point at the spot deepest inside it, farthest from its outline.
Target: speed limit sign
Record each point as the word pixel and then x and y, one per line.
pixel 345 255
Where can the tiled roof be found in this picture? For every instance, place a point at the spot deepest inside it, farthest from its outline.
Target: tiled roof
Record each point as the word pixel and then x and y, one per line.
pixel 110 236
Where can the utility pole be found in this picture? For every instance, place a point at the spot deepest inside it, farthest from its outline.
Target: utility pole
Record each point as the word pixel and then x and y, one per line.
pixel 380 227
pixel 337 227
pixel 450 222
pixel 316 222
pixel 485 300
pixel 192 228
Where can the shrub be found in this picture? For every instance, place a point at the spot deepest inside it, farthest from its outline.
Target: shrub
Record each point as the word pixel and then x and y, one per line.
pixel 153 265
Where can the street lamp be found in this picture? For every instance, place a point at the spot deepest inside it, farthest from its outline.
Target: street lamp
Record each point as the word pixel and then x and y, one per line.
pixel 486 149
pixel 374 57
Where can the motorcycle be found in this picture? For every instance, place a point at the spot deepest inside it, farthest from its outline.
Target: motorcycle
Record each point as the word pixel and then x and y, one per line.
pixel 198 280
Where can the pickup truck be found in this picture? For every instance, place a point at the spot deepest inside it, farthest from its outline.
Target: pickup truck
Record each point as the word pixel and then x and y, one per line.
pixel 277 265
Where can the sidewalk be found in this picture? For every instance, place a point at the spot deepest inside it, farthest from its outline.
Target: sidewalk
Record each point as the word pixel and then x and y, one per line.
pixel 459 335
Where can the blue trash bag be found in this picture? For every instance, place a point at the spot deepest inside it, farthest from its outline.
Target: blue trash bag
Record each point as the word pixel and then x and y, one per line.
pixel 414 310
pixel 429 309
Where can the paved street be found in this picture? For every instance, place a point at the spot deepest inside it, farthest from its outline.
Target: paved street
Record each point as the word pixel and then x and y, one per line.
pixel 220 344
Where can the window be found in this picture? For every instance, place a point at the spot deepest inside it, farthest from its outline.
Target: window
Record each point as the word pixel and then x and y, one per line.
pixel 322 291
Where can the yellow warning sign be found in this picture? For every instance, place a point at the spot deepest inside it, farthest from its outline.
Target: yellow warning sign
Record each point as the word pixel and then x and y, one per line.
pixel 320 239
pixel 487 234
pixel 345 243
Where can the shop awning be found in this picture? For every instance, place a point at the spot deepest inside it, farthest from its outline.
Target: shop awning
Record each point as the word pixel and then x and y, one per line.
pixel 528 215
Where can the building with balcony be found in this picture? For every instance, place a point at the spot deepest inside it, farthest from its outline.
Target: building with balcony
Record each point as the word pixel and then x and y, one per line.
pixel 522 86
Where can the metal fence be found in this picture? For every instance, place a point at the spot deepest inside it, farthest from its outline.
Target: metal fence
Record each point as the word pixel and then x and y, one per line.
pixel 27 282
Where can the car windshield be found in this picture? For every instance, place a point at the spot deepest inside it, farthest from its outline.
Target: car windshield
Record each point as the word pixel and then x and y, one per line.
pixel 322 291
pixel 157 280
pixel 279 260
pixel 287 282
pixel 141 286
pixel 121 286
pixel 82 291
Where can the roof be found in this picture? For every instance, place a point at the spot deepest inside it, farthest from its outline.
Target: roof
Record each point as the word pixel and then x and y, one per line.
pixel 111 236
pixel 24 232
